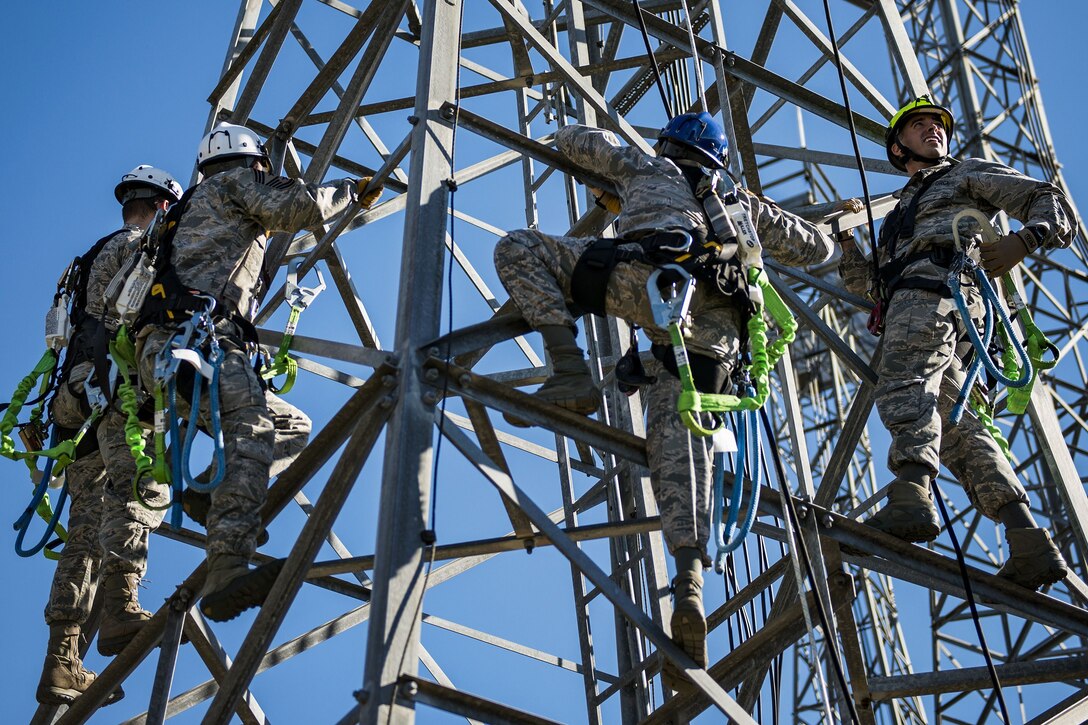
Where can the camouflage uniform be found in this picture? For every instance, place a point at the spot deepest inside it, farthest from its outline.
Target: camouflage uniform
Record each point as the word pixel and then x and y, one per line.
pixel 921 369
pixel 536 270
pixel 219 249
pixel 108 530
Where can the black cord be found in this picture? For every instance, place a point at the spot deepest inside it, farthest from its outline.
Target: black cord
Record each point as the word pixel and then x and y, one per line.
pixel 854 142
pixel 971 600
pixel 802 549
pixel 652 58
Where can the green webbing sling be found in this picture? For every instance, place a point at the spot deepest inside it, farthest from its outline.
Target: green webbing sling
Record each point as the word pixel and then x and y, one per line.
pixel 1036 343
pixel 299 298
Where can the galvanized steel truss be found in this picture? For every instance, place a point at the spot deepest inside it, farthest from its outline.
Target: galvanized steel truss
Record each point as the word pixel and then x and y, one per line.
pixel 507 74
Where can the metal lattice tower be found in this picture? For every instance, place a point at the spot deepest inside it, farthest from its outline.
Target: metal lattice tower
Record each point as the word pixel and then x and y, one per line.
pixel 475 156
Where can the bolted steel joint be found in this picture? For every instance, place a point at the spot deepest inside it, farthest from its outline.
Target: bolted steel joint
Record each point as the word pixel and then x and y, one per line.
pixel 387 402
pixel 430 397
pixel 410 690
pixel 431 375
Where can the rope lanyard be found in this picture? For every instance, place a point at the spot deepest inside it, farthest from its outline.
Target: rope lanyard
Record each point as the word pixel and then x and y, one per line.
pixel 57 456
pixel 1018 372
pixel 123 353
pixel 40 505
pixel 299 298
pixel 749 461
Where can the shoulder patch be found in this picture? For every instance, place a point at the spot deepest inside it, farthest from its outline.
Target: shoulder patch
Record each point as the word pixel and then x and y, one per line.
pixel 259 176
pixel 280 182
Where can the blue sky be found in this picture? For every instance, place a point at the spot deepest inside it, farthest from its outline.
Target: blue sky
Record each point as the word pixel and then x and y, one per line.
pixel 94 89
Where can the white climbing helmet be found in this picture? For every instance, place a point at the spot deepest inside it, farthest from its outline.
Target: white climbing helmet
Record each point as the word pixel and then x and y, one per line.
pixel 228 140
pixel 145 182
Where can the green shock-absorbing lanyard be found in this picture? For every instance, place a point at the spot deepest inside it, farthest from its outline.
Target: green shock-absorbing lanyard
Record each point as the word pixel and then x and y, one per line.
pixel 299 298
pixel 732 219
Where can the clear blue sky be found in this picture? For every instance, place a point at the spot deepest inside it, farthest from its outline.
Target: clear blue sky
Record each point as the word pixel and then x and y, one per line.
pixel 93 89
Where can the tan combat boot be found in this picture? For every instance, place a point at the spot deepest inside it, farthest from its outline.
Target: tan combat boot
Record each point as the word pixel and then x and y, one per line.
pixel 909 513
pixel 232 587
pixel 63 676
pixel 122 615
pixel 1034 561
pixel 571 384
pixel 688 617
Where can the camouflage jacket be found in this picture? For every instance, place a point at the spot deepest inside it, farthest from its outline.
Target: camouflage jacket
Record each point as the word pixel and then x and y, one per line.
pixel 987 186
pixel 220 240
pixel 656 195
pixel 108 263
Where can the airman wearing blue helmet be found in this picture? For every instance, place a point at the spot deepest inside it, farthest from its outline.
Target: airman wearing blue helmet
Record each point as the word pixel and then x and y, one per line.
pixel 660 220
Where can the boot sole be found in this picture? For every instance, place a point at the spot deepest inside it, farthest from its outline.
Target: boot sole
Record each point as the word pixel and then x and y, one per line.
pixel 245 592
pixel 57 696
pixel 689 633
pixel 1038 582
pixel 916 534
pixel 116 645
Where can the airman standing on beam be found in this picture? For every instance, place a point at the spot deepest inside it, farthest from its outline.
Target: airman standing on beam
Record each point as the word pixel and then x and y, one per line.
pixel 662 218
pixel 218 251
pixel 108 531
pixel 925 338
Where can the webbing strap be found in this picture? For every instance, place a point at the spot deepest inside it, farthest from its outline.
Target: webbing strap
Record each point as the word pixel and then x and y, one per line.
pixel 283 363
pixel 1037 343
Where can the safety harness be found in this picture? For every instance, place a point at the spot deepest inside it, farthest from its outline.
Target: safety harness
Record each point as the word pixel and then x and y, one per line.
pixel 149 292
pixel 899 226
pixel 731 263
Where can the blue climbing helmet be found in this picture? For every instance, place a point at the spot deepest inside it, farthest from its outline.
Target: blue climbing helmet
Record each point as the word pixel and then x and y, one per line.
pixel 701 133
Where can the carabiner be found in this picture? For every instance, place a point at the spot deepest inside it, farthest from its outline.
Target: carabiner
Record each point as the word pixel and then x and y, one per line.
pixel 675 308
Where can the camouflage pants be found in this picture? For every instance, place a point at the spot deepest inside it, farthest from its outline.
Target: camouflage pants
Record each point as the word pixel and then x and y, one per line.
pixel 108 530
pixel 536 270
pixel 921 373
pixel 262 434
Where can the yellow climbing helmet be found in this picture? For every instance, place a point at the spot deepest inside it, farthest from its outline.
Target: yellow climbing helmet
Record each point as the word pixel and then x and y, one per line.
pixel 922 104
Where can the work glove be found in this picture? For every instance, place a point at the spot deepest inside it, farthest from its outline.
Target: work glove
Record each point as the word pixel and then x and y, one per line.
pixel 1001 256
pixel 850 206
pixel 847 206
pixel 608 201
pixel 367 198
